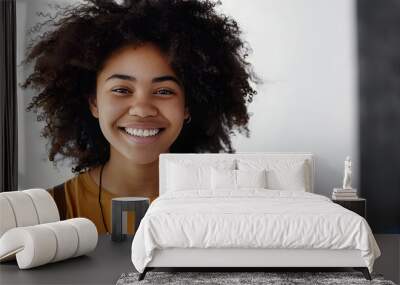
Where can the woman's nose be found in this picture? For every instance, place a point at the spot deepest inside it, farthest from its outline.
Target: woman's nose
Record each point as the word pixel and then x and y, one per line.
pixel 142 106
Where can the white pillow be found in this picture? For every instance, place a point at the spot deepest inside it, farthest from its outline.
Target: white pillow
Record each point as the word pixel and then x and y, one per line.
pixel 188 175
pixel 225 179
pixel 282 174
pixel 181 178
pixel 251 178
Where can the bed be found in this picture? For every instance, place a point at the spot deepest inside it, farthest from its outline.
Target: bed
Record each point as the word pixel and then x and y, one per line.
pixel 247 210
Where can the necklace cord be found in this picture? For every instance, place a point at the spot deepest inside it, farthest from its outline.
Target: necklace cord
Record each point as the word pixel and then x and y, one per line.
pixel 100 191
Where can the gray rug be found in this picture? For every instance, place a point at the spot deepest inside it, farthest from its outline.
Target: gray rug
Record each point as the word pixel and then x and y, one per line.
pixel 231 278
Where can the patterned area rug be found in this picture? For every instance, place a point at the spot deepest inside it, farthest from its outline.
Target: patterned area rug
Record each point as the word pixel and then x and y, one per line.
pixel 230 278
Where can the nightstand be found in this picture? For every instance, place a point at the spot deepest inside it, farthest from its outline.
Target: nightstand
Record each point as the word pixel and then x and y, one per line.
pixel 358 205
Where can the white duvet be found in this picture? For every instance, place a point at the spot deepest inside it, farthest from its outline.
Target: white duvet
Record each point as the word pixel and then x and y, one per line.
pixel 250 219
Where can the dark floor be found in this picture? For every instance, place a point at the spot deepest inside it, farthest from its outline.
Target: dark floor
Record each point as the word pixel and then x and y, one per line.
pixel 388 263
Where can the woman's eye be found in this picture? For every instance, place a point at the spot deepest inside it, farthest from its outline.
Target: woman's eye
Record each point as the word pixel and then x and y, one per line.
pixel 164 92
pixel 121 91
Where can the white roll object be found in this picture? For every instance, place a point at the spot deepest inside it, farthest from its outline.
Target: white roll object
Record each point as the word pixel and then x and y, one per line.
pixel 45 206
pixel 67 240
pixel 23 208
pixel 26 208
pixel 87 235
pixel 7 218
pixel 40 244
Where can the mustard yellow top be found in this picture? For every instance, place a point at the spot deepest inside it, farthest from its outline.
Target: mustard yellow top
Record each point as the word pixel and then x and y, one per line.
pixel 82 200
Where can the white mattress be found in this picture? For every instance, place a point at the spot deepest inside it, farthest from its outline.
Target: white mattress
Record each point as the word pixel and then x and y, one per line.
pixel 254 218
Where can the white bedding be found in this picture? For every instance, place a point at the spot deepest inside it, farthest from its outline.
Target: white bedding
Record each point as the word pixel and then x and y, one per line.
pixel 251 218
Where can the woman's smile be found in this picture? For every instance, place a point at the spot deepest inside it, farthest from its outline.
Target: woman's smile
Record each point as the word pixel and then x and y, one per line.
pixel 141 135
pixel 141 132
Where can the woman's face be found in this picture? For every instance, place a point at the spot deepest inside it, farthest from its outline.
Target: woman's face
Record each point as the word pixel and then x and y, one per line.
pixel 140 103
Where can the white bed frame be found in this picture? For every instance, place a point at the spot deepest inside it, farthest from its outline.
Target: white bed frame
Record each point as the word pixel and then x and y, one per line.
pixel 250 257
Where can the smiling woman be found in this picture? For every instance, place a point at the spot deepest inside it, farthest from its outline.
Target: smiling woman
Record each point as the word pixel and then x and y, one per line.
pixel 119 84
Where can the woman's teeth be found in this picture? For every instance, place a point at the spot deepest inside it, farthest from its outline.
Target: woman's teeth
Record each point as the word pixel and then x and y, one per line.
pixel 141 132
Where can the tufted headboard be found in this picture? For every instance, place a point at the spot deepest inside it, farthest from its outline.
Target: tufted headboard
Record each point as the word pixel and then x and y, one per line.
pixel 236 159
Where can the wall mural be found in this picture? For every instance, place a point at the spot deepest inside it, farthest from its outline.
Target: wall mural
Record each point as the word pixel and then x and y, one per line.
pixel 379 102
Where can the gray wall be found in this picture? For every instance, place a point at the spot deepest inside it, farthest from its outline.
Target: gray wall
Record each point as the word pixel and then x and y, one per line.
pixel 379 65
pixel 306 56
pixel 34 168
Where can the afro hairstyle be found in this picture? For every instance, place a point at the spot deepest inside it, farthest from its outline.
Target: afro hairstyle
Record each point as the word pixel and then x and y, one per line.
pixel 205 49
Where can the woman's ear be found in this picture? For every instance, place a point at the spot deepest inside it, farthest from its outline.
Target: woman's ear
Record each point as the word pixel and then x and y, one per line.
pixel 186 114
pixel 93 106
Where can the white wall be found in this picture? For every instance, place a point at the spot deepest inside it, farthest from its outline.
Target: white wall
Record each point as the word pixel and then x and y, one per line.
pixel 304 50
